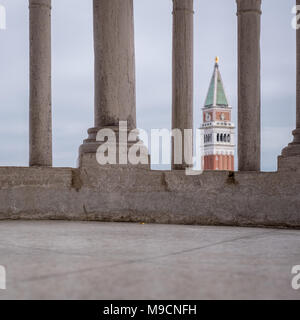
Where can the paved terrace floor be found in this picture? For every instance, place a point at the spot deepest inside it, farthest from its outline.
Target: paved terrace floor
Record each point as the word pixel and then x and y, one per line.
pixel 77 260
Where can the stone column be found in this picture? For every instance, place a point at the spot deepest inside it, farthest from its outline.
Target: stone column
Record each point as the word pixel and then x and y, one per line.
pixel 114 63
pixel 40 83
pixel 115 91
pixel 115 97
pixel 183 78
pixel 249 89
pixel 290 158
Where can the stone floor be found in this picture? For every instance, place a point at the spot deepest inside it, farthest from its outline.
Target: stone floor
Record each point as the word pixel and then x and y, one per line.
pixel 72 260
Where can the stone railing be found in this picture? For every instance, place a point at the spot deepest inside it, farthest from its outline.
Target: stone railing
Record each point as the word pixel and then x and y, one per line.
pixel 137 194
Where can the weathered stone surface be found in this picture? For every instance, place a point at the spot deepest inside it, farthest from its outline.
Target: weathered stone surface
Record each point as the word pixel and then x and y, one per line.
pixel 183 75
pixel 289 162
pixel 115 97
pixel 139 195
pixel 76 260
pixel 249 90
pixel 36 176
pixel 40 84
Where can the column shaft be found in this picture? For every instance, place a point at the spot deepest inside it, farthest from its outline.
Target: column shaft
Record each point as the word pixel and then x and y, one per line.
pixel 249 87
pixel 40 83
pixel 183 77
pixel 290 156
pixel 296 132
pixel 115 96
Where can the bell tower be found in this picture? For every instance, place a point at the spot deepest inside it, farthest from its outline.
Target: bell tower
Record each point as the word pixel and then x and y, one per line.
pixel 218 131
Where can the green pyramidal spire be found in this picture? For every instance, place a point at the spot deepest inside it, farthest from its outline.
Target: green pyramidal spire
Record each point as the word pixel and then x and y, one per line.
pixel 216 94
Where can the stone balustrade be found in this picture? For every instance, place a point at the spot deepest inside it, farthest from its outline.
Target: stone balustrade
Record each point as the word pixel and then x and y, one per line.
pixel 115 90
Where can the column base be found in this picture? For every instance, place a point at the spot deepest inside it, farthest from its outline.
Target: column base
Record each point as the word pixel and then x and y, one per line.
pixel 290 156
pixel 89 150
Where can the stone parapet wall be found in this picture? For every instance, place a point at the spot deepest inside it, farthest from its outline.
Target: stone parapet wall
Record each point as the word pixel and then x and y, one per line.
pixel 140 195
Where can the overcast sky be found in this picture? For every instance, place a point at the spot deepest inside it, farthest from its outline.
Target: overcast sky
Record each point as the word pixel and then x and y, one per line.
pixel 72 75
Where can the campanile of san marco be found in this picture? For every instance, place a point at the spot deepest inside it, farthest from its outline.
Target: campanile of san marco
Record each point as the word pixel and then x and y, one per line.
pixel 218 131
